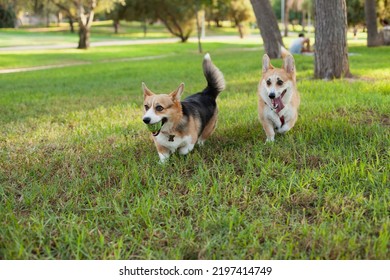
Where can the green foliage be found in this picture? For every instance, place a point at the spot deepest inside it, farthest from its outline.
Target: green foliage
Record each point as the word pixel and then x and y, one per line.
pixel 7 17
pixel 133 10
pixel 241 11
pixel 218 11
pixel 177 15
pixel 80 179
pixel 383 9
pixel 355 12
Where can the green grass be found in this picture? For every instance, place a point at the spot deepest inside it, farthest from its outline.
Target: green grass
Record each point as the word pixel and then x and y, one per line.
pixel 56 35
pixel 80 177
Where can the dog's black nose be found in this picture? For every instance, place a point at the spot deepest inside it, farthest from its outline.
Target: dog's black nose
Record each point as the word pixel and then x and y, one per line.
pixel 146 120
pixel 272 95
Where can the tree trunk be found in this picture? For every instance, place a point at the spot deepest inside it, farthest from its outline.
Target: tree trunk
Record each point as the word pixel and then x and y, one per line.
pixel 71 24
pixel 84 34
pixel 286 17
pixel 116 25
pixel 304 23
pixel 85 20
pixel 59 18
pixel 198 27
pixel 269 29
pixel 331 51
pixel 240 30
pixel 373 38
pixel 145 27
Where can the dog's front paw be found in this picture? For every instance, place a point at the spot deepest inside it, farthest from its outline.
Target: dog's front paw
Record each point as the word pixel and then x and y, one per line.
pixel 186 149
pixel 163 157
pixel 269 140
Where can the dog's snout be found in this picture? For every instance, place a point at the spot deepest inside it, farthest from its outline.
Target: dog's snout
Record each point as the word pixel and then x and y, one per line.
pixel 272 95
pixel 146 120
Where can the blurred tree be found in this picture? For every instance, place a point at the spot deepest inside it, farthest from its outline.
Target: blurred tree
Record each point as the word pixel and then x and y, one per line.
pixel 133 10
pixel 7 15
pixel 218 11
pixel 84 11
pixel 269 29
pixel 383 9
pixel 355 12
pixel 69 11
pixel 240 12
pixel 307 11
pixel 178 16
pixel 331 51
pixel 373 38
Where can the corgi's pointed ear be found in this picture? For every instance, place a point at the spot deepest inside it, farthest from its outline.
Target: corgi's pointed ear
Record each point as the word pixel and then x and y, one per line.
pixel 146 91
pixel 289 64
pixel 175 95
pixel 266 63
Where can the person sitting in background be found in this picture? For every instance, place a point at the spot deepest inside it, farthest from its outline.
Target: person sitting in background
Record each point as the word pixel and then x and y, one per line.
pixel 300 45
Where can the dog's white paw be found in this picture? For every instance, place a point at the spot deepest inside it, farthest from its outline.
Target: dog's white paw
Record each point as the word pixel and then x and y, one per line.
pixel 163 158
pixel 269 140
pixel 201 142
pixel 186 149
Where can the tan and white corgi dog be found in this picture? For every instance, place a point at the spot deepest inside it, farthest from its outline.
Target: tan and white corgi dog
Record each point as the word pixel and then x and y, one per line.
pixel 278 96
pixel 179 125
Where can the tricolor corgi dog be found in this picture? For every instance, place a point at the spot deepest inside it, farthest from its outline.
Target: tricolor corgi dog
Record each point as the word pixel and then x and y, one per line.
pixel 278 96
pixel 179 125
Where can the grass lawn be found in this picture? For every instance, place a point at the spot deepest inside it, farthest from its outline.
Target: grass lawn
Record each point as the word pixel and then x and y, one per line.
pixel 80 179
pixel 56 35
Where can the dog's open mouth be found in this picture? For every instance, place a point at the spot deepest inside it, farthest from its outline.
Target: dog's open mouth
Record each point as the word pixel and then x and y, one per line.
pixel 277 102
pixel 155 128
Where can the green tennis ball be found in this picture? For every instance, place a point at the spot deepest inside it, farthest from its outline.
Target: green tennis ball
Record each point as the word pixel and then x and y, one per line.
pixel 155 126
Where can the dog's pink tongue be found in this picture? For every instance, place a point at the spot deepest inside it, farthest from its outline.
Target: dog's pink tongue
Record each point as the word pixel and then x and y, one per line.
pixel 278 104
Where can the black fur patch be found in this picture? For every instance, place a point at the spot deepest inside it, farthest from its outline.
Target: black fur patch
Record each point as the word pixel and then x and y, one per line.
pixel 201 106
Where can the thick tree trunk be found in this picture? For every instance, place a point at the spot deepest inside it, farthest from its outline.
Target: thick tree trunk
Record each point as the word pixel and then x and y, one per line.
pixel 373 38
pixel 268 25
pixel 85 21
pixel 331 51
pixel 84 34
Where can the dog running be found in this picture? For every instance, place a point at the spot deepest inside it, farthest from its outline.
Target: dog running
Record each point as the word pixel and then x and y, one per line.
pixel 179 125
pixel 278 96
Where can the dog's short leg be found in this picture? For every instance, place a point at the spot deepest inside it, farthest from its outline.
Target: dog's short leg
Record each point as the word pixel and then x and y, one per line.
pixel 163 157
pixel 186 149
pixel 290 122
pixel 209 129
pixel 201 141
pixel 163 153
pixel 269 131
pixel 286 127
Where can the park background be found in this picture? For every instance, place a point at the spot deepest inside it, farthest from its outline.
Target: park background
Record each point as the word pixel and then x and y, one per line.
pixel 79 175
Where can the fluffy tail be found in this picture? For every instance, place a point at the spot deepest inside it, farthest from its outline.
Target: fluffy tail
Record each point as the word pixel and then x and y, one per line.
pixel 214 77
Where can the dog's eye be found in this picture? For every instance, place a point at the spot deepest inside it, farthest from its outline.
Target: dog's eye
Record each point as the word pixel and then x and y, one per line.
pixel 268 83
pixel 159 108
pixel 146 107
pixel 279 82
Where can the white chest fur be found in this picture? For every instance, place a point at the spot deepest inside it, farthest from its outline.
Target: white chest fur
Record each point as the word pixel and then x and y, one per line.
pixel 178 142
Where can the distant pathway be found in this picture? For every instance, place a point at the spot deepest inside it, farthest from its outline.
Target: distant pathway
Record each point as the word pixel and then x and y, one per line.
pixel 224 39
